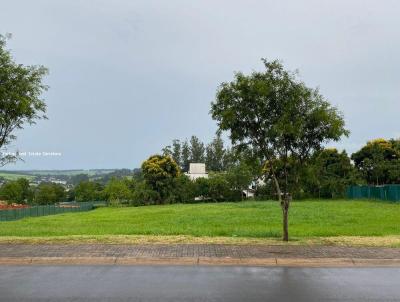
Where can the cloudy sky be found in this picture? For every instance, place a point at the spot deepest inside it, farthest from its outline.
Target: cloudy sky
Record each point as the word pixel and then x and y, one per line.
pixel 127 77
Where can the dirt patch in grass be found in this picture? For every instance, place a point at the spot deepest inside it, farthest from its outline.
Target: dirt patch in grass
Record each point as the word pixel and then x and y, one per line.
pixel 372 241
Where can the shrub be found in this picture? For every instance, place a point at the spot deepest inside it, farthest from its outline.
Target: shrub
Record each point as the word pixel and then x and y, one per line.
pixel 202 188
pixel 88 191
pixel 216 188
pixel 183 190
pixel 143 194
pixel 117 192
pixel 49 193
pixel 219 189
pixel 264 192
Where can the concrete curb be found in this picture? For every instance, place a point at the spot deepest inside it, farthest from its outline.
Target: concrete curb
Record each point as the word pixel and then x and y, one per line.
pixel 218 261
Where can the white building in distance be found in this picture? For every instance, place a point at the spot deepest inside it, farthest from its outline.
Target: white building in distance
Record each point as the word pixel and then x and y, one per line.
pixel 197 170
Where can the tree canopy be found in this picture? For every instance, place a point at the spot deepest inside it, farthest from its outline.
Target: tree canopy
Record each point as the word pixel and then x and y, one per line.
pixel 379 161
pixel 16 191
pixel 214 154
pixel 159 173
pixel 279 118
pixel 49 193
pixel 21 88
pixel 330 173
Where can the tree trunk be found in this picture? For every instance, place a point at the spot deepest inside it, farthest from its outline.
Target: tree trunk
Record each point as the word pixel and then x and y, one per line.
pixel 285 202
pixel 285 211
pixel 278 189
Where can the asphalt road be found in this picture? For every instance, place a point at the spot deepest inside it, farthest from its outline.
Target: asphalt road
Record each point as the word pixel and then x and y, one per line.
pixel 197 283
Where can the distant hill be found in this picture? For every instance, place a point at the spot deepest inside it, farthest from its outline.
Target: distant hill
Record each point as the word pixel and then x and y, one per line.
pixel 14 175
pixel 89 172
pixel 32 174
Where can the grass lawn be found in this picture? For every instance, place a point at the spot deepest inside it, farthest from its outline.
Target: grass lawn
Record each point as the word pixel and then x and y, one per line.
pixel 252 219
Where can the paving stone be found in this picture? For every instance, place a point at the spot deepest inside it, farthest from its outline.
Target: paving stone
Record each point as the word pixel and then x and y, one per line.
pixel 194 251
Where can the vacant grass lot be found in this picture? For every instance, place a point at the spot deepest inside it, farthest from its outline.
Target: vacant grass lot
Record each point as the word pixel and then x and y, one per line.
pixel 244 219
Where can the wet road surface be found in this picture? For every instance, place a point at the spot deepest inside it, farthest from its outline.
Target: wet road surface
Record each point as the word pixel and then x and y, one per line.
pixel 197 283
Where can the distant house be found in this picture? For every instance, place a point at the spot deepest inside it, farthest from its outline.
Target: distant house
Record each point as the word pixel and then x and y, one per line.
pixel 197 170
pixel 251 190
pixel 59 182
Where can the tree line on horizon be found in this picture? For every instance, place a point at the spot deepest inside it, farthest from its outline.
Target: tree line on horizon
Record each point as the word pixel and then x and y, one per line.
pixel 327 176
pixel 215 155
pixel 376 163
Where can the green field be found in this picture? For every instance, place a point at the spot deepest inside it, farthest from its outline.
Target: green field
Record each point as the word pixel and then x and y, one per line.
pixel 68 172
pixel 31 174
pixel 15 176
pixel 244 219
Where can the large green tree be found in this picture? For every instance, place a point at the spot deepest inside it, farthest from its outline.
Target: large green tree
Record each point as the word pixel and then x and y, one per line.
pixel 21 88
pixel 330 173
pixel 185 156
pixel 197 150
pixel 160 173
pixel 215 154
pixel 88 191
pixel 240 178
pixel 280 119
pixel 49 193
pixel 176 151
pixel 379 161
pixel 16 191
pixel 117 192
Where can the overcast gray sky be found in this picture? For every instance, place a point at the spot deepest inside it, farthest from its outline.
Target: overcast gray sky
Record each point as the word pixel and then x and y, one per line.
pixel 127 77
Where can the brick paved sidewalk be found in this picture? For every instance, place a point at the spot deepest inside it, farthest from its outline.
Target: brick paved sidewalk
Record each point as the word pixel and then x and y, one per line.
pixel 195 254
pixel 194 250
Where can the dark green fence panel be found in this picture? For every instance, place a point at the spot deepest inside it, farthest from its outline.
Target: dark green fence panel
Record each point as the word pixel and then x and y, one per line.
pixel 34 211
pixel 393 192
pixel 356 191
pixel 385 192
pixel 365 192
